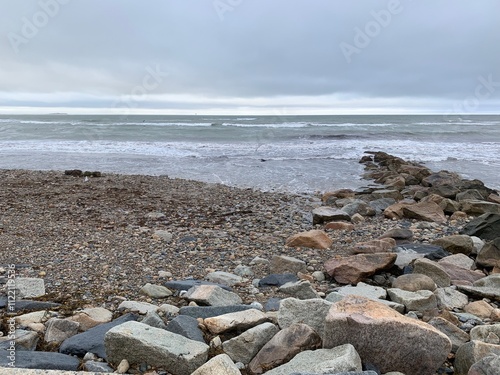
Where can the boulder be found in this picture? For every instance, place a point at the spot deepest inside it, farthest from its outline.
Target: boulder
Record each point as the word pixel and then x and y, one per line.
pixel 395 211
pixel 387 193
pixel 299 289
pixel 486 227
pixel 218 365
pixel 455 334
pixel 186 326
pixel 353 269
pixel 449 298
pixel 24 340
pixel 311 312
pixel 459 275
pixel 489 256
pixel 488 287
pixel 365 290
pixel 59 330
pixel 139 307
pixel 239 320
pixel 154 320
pixel 479 207
pixel 458 260
pixel 284 346
pixel 488 365
pixel 27 287
pixel 40 361
pixel 377 331
pixel 359 207
pixel 485 332
pixel 470 194
pixel 455 244
pixel 316 239
pixel 286 264
pixel 441 178
pixel 481 309
pixel 472 352
pixel 414 282
pixel 426 211
pixel 414 301
pixel 433 270
pixel 139 343
pixel 326 214
pixel 91 317
pixel 212 295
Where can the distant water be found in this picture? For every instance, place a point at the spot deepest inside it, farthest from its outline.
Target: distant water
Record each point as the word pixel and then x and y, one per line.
pixel 287 153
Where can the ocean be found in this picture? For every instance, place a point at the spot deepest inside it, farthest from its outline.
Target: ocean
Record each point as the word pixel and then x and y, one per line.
pixel 300 154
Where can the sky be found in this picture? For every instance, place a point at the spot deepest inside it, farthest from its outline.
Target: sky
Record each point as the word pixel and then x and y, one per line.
pixel 250 56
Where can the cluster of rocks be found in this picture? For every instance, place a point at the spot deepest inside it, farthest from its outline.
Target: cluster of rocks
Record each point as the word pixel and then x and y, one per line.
pixel 80 173
pixel 389 305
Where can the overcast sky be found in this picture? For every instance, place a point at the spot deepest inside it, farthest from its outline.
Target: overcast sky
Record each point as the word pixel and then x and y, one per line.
pixel 250 56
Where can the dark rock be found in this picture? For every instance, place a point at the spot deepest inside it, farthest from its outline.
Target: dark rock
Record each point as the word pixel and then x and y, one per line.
pixel 379 205
pixel 186 326
pixel 73 172
pixel 441 178
pixel 211 311
pixel 489 256
pixel 27 305
pixel 398 234
pixel 92 340
pixel 189 283
pixel 277 279
pixel 486 227
pixel 273 304
pixel 438 254
pixel 41 360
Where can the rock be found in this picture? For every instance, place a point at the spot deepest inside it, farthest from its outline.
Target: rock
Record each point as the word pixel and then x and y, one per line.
pixel 458 260
pixel 387 193
pixel 154 320
pixel 91 317
pixel 455 244
pixel 299 289
pixel 96 367
pixel 441 178
pixel 163 235
pixel 218 365
pixel 225 278
pixel 417 248
pixel 156 291
pixel 239 320
pixel 398 234
pixel 455 334
pixel 139 307
pixel 24 340
pixel 139 343
pixel 244 347
pixel 488 365
pixel 311 312
pixel 186 326
pixel 321 361
pixel 374 246
pixel 472 352
pixel 123 367
pixel 28 305
pixel 34 317
pixel 340 225
pixel 359 207
pixel 379 205
pixel 459 275
pixel 277 280
pixel 210 311
pixel 449 298
pixel 59 330
pixel 92 341
pixel 318 276
pixel 155 215
pixel 40 361
pixel 488 287
pixel 284 346
pixel 395 211
pixel 481 309
pixel 377 331
pixel 486 227
pixel 286 264
pixel 481 333
pixel 478 244
pixel 414 301
pixel 316 239
pixel 447 205
pixel 414 282
pixel 326 214
pixel 365 290
pixel 433 270
pixel 489 256
pixel 426 211
pixel 243 271
pixel 189 283
pixel 479 207
pixel 212 295
pixel 353 269
pixel 469 194
pixel 29 287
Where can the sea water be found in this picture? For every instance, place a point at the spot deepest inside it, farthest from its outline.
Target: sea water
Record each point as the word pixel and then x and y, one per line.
pixel 280 153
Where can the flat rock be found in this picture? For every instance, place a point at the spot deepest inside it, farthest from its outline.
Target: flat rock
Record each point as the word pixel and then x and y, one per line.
pixel 486 227
pixel 374 246
pixel 284 346
pixel 139 307
pixel 299 289
pixel 218 365
pixel 365 290
pixel 156 291
pixel 481 309
pixel 316 239
pixel 387 193
pixel 189 283
pixel 284 264
pixel 377 331
pixel 359 207
pixel 92 341
pixel 212 295
pixel 58 330
pixel 488 287
pixel 456 244
pixel 154 320
pixel 321 361
pixel 325 214
pixel 379 205
pixel 24 340
pixel 458 260
pixel 449 298
pixel 277 279
pixel 40 361
pixel 29 318
pixel 426 211
pixel 186 326
pixel 244 347
pixel 353 269
pixel 28 305
pixel 414 282
pixel 210 311
pixel 340 225
pixel 489 256
pixel 27 287
pixel 459 275
pixel 481 333
pixel 232 321
pixel 455 334
pixel 225 278
pixel 91 317
pixel 479 207
pixel 139 343
pixel 96 367
pixel 420 300
pixel 433 270
pixel 311 312
pixel 472 352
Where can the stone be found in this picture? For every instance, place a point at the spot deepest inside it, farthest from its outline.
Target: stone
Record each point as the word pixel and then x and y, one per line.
pixel 472 352
pixel 139 343
pixel 487 287
pixel 414 301
pixel 139 307
pixel 155 291
pixel 449 206
pixel 325 214
pixel 239 320
pixel 318 276
pixel 210 311
pixel 92 341
pixel 244 347
pixel 449 298
pixel 353 269
pixel 481 333
pixel 469 194
pixel 285 264
pixel 486 227
pixel 379 205
pixel 225 278
pixel 459 275
pixel 284 346
pixel 340 225
pixel 24 340
pixel 387 193
pixel 377 333
pixel 154 320
pixel 155 215
pixel 481 309
pixel 27 287
pixel 299 289
pixel 96 367
pixel 321 361
pixel 212 295
pixel 30 318
pixel 168 309
pixel 218 365
pixel 123 367
pixel 455 334
pixel 365 290
pixel 489 365
pixel 459 243
pixel 374 246
pixel 418 248
pixel 28 305
pixel 489 256
pixel 414 282
pixel 441 178
pixel 395 211
pixel 316 239
pixel 59 330
pixel 359 207
pixel 426 211
pixel 479 207
pixel 433 270
pixel 458 260
pixel 40 361
pixel 186 326
pixel 243 271
pixel 311 312
pixel 189 283
pixel 163 235
pixel 478 244
pixel 277 279
pixel 91 317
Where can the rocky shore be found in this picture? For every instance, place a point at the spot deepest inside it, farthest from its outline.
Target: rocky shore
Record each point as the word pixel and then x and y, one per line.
pixel 152 275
